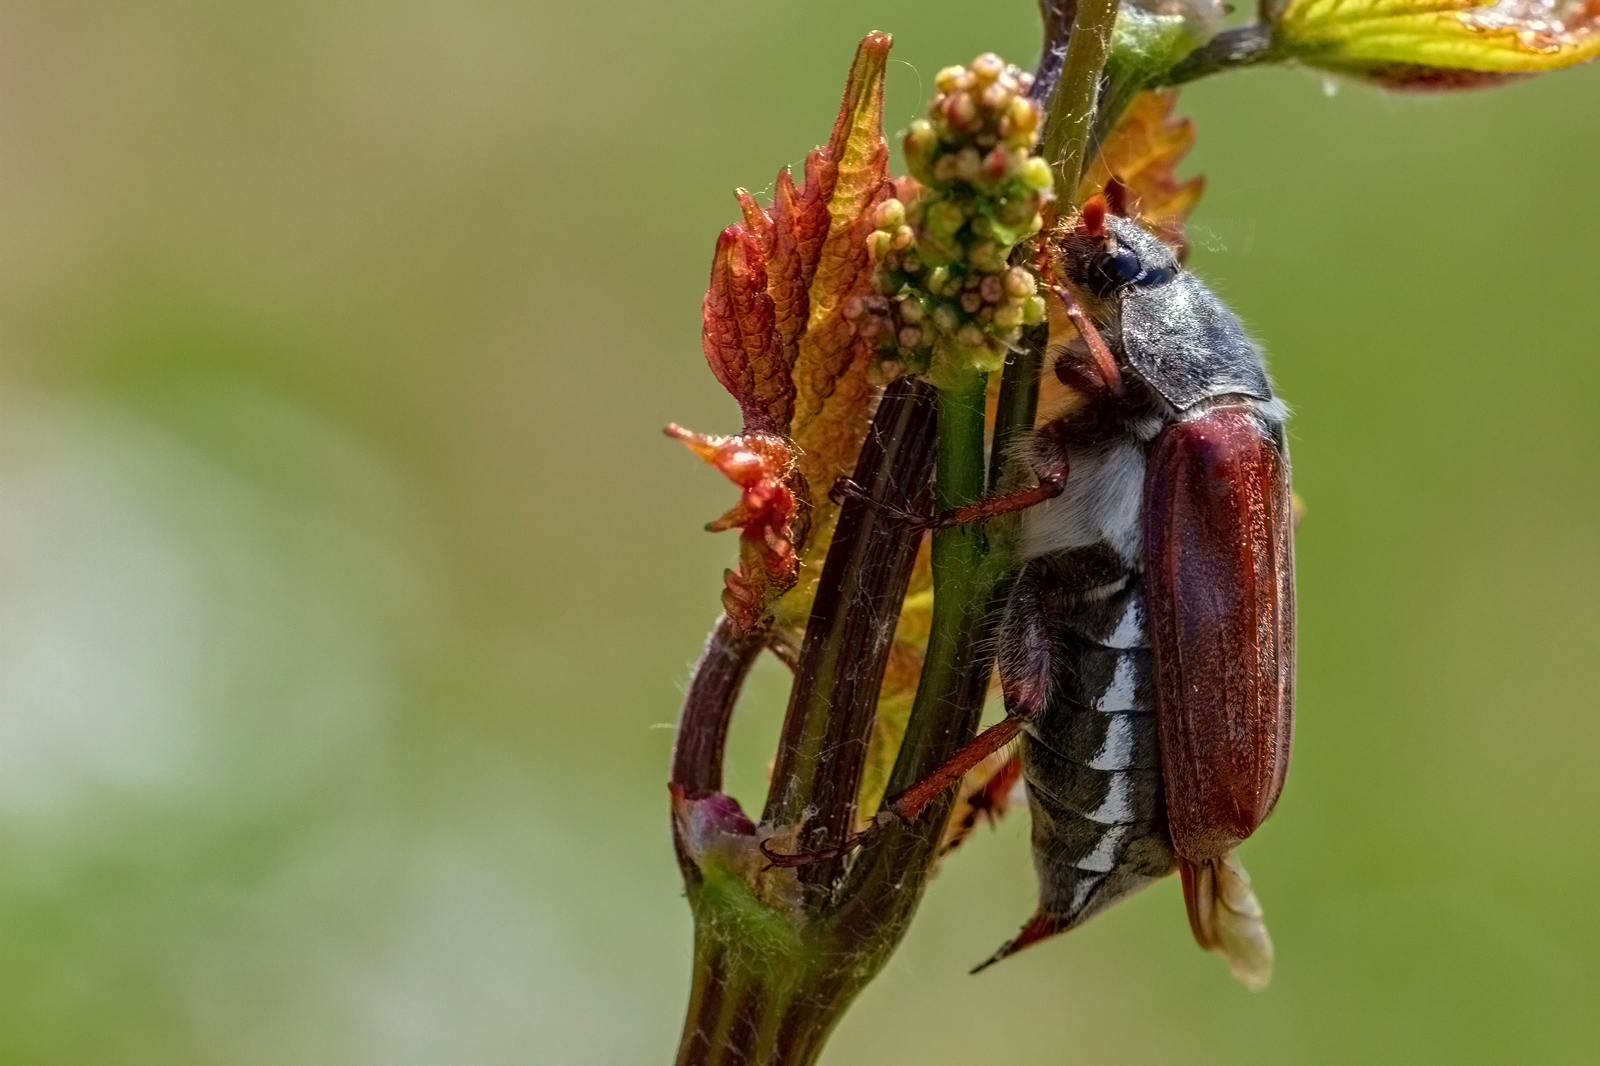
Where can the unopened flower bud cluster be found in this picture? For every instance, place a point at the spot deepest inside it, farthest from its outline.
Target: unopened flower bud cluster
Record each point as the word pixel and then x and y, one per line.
pixel 944 281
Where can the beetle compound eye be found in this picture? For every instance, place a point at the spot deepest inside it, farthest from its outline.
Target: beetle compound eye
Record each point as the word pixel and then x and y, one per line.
pixel 1119 268
pixel 1116 269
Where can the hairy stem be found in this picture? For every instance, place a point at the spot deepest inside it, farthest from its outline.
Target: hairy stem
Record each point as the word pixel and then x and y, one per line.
pixel 887 880
pixel 960 590
pixel 1057 17
pixel 823 746
pixel 1071 106
pixel 708 705
pixel 885 884
pixel 1019 402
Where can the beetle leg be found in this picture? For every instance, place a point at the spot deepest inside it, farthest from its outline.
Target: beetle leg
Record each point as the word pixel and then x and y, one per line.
pixel 1026 666
pixel 984 803
pixel 1051 469
pixel 1104 362
pixel 913 801
pixel 906 806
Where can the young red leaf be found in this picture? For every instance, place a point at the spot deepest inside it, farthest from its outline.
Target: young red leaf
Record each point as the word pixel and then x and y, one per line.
pixel 845 179
pixel 737 334
pixel 775 336
pixel 771 516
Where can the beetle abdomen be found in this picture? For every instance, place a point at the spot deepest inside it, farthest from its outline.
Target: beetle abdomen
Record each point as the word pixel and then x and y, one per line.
pixel 1092 757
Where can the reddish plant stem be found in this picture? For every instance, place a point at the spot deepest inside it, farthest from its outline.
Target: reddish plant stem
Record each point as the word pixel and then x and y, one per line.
pixel 823 747
pixel 1058 17
pixel 708 705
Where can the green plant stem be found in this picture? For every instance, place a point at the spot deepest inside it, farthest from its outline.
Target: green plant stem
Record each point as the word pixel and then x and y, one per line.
pixel 1071 106
pixel 1242 46
pixel 1018 403
pixel 960 590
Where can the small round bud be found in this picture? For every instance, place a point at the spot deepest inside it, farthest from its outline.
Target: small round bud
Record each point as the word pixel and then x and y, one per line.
pixel 987 67
pixel 921 138
pixel 992 289
pixel 988 257
pixel 944 319
pixel 1023 113
pixel 889 215
pixel 878 245
pixel 969 165
pixel 995 163
pixel 911 263
pixel 938 279
pixel 944 218
pixel 995 99
pixel 1009 316
pixel 944 169
pixel 970 302
pixel 854 308
pixel 1036 173
pixel 1017 212
pixel 989 358
pixel 949 79
pixel 1019 283
pixel 1033 310
pixel 910 336
pixel 970 336
pixel 904 238
pixel 960 110
pixel 912 310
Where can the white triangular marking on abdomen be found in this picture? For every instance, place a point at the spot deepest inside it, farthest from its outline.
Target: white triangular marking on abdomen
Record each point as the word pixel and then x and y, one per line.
pixel 1116 750
pixel 1122 693
pixel 1103 859
pixel 1115 810
pixel 1130 627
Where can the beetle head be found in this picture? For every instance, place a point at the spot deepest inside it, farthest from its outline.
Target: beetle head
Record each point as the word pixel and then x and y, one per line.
pixel 1158 320
pixel 1104 254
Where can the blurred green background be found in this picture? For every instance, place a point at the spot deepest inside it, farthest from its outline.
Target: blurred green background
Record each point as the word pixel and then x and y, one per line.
pixel 347 585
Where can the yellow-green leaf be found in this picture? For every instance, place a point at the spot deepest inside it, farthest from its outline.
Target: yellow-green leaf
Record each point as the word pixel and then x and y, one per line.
pixel 1439 43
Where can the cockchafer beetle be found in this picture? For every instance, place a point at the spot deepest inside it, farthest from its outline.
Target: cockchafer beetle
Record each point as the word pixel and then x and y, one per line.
pixel 1146 651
